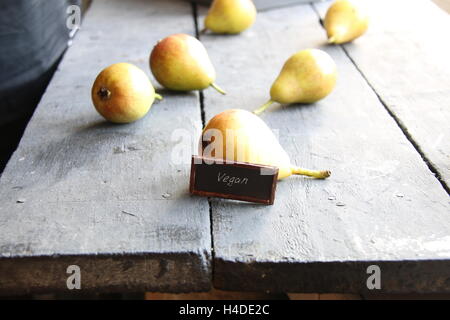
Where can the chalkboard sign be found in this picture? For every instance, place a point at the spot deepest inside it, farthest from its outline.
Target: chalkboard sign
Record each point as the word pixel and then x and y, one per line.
pixel 237 180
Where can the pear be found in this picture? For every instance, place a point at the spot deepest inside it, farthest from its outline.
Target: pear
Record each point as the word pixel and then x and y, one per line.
pixel 230 16
pixel 180 62
pixel 306 77
pixel 239 135
pixel 122 93
pixel 345 21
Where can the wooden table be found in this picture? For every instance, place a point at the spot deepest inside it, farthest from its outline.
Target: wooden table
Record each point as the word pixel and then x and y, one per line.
pixel 110 199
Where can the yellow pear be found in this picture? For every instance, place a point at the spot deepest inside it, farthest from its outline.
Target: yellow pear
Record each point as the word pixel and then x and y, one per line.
pixel 239 135
pixel 180 62
pixel 306 77
pixel 122 93
pixel 230 16
pixel 345 21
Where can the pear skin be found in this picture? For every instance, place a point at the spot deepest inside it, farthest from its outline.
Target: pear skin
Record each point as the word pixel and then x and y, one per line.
pixel 180 62
pixel 230 16
pixel 122 93
pixel 241 136
pixel 306 77
pixel 345 21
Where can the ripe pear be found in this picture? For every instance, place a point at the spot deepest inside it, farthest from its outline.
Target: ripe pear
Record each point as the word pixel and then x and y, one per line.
pixel 122 93
pixel 241 136
pixel 345 21
pixel 306 77
pixel 230 16
pixel 180 62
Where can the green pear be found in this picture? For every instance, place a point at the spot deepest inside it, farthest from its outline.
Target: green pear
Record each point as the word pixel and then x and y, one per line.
pixel 180 62
pixel 306 77
pixel 230 16
pixel 345 21
pixel 239 135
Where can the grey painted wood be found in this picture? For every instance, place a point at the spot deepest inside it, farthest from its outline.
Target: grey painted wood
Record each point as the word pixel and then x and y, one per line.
pixel 106 197
pixel 382 205
pixel 405 57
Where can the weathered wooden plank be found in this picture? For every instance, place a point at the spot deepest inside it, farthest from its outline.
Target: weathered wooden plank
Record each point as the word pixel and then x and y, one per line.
pixel 105 197
pixel 405 58
pixel 382 205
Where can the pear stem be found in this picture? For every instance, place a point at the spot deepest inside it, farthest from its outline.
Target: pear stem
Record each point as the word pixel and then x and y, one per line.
pixel 311 173
pixel 203 31
pixel 158 96
pixel 215 86
pixel 263 107
pixel 332 40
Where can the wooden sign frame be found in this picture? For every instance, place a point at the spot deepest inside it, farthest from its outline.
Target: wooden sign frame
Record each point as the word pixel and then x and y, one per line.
pixel 197 162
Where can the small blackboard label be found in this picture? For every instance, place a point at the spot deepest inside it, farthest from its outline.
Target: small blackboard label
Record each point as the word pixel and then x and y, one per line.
pixel 236 180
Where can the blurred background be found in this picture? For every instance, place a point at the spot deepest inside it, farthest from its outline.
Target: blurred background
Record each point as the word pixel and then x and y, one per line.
pixel 33 38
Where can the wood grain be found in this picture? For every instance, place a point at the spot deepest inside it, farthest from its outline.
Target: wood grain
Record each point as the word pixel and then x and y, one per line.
pixel 381 205
pixel 107 197
pixel 405 58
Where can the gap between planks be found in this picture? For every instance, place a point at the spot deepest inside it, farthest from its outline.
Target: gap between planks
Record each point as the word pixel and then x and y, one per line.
pixel 203 118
